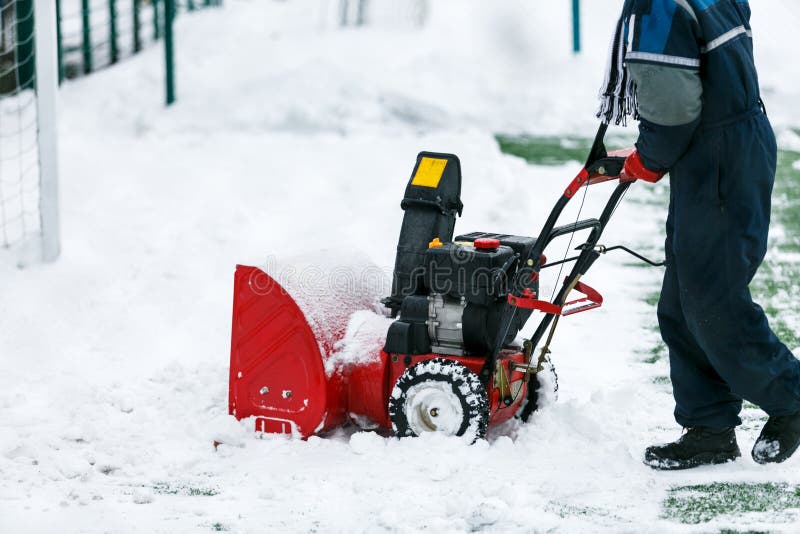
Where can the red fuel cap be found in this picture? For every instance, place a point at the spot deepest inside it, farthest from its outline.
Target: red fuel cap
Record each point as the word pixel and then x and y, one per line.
pixel 486 243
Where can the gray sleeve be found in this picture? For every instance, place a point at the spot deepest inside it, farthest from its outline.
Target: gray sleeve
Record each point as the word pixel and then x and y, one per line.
pixel 668 96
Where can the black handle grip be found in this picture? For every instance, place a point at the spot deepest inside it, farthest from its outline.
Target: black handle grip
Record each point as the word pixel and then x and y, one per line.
pixel 607 166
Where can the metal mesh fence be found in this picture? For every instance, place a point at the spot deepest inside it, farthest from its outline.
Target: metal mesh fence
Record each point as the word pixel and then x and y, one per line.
pixel 20 218
pixel 97 33
pixel 89 35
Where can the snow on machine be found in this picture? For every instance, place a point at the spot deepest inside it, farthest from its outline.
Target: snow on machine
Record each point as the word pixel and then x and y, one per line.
pixel 446 361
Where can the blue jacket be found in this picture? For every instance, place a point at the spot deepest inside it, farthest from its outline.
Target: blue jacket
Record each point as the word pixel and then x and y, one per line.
pixel 692 61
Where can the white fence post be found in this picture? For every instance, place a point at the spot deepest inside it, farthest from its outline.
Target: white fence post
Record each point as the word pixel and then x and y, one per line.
pixel 46 95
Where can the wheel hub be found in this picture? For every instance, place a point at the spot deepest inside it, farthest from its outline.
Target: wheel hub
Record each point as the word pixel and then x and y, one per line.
pixel 433 407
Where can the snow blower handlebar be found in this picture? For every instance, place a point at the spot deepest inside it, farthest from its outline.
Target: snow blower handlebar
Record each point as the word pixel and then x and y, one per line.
pixel 611 167
pixel 600 167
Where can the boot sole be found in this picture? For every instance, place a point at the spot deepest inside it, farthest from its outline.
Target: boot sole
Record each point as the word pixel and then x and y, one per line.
pixel 706 458
pixel 778 459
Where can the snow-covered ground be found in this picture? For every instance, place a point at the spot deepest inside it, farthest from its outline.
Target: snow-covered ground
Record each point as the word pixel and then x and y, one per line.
pixel 291 136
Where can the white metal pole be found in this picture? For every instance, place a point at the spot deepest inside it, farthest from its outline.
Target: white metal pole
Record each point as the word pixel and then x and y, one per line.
pixel 46 96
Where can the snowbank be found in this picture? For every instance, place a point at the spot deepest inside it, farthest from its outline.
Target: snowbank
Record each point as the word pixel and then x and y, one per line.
pixel 286 138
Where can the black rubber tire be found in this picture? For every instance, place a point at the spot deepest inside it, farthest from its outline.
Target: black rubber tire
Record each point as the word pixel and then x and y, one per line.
pixel 465 384
pixel 536 391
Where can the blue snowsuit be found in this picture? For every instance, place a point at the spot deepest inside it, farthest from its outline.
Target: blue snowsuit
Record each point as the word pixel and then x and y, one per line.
pixel 703 121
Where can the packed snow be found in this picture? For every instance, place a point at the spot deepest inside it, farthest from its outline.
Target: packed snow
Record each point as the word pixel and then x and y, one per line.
pixel 362 341
pixel 292 136
pixel 338 290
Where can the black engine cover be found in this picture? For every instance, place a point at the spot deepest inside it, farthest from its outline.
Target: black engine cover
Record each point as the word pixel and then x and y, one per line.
pixel 478 279
pixel 479 276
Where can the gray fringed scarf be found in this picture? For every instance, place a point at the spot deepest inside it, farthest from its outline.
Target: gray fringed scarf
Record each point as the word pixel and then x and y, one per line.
pixel 618 93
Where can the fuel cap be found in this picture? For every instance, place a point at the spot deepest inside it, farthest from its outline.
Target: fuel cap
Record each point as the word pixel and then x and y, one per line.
pixel 487 243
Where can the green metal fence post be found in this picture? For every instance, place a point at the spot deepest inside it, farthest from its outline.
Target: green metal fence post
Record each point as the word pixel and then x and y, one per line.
pixel 86 43
pixel 190 5
pixel 112 30
pixel 59 43
pixel 137 25
pixel 26 60
pixel 156 20
pixel 169 49
pixel 576 26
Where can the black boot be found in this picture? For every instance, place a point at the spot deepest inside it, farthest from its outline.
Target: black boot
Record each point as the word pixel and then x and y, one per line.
pixel 779 438
pixel 698 446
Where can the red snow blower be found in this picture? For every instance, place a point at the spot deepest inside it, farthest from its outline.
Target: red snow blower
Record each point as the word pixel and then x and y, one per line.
pixel 303 361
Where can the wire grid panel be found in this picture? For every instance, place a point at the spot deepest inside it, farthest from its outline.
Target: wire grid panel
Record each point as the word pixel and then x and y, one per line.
pixel 20 215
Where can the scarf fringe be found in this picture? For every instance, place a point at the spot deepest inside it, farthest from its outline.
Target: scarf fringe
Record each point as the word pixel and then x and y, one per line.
pixel 618 95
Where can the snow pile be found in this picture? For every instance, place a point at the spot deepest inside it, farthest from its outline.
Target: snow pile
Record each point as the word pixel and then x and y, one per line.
pixel 362 342
pixel 329 286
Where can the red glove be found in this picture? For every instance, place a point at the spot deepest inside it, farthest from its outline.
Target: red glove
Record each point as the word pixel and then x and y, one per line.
pixel 634 170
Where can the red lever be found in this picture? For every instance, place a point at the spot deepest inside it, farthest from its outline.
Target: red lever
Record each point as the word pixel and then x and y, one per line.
pixel 528 301
pixel 590 301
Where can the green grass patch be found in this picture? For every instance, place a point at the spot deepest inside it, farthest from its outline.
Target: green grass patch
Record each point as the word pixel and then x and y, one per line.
pixel 785 333
pixel 702 503
pixel 775 286
pixel 662 380
pixel 545 150
pixel 656 353
pixel 652 298
pixel 565 510
pixel 180 488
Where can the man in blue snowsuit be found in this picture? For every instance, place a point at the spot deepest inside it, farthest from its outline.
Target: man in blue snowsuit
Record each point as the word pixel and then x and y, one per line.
pixel 685 68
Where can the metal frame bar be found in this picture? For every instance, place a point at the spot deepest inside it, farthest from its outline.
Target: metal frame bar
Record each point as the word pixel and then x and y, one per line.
pixel 169 51
pixel 137 25
pixel 86 39
pixel 113 31
pixel 46 101
pixel 60 43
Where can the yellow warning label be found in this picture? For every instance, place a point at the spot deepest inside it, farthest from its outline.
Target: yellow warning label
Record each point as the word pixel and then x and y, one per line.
pixel 429 172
